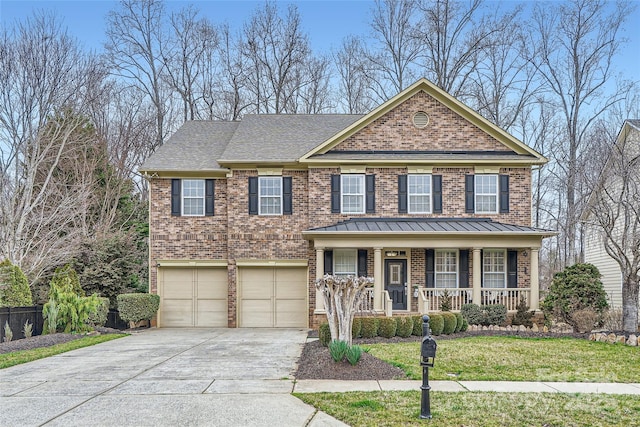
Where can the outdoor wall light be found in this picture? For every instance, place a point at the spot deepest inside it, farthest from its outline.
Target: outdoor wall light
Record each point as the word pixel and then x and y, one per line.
pixel 391 253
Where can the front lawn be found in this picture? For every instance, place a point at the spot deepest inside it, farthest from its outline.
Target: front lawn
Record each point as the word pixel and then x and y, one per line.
pixel 518 359
pixel 478 409
pixel 24 356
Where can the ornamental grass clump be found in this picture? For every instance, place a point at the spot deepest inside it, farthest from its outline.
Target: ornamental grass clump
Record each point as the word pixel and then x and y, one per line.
pixel 387 327
pixel 354 353
pixel 8 333
pixel 338 350
pixel 27 329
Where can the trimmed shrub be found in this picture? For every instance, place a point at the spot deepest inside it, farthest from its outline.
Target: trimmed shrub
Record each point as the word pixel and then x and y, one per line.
pixel 136 307
pixel 417 325
pixel 354 353
pixel 436 323
pixel 14 287
pixel 404 326
pixel 369 327
pixel 465 325
pixel 577 287
pixel 356 327
pixel 99 318
pixel 495 314
pixel 459 321
pixel 387 327
pixel 449 323
pixel 324 334
pixel 472 313
pixel 338 350
pixel 523 315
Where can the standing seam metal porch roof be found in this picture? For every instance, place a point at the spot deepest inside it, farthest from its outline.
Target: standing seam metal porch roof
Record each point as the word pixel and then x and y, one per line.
pixel 427 225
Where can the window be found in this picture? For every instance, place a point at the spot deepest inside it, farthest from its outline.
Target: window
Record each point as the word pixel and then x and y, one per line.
pixel 352 193
pixel 419 193
pixel 494 268
pixel 193 197
pixel 446 269
pixel 345 262
pixel 486 193
pixel 270 195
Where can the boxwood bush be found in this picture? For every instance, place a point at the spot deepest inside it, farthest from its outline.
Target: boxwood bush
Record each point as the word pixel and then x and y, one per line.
pixel 369 327
pixel 356 327
pixel 137 307
pixel 496 314
pixel 449 323
pixel 324 334
pixel 436 323
pixel 387 327
pixel 417 325
pixel 404 326
pixel 472 313
pixel 459 321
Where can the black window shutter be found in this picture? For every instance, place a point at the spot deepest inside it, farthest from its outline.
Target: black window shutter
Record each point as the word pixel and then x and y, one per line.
pixel 469 194
pixel 362 263
pixel 436 181
pixel 335 193
pixel 370 181
pixel 504 193
pixel 430 267
pixel 402 194
pixel 328 262
pixel 512 269
pixel 176 196
pixel 253 195
pixel 209 196
pixel 463 268
pixel 287 195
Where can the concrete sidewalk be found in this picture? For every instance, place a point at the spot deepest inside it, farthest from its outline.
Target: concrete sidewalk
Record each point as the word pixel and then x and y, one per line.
pixel 316 386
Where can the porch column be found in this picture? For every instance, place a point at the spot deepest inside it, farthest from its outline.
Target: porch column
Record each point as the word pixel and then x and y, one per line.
pixel 377 279
pixel 477 277
pixel 319 275
pixel 534 304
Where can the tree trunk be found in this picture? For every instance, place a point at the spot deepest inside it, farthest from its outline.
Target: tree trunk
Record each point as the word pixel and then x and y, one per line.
pixel 630 303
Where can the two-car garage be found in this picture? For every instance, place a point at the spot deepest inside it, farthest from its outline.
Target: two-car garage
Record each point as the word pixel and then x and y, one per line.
pixel 267 297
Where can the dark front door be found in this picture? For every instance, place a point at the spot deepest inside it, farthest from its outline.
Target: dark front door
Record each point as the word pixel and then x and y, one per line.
pixel 395 279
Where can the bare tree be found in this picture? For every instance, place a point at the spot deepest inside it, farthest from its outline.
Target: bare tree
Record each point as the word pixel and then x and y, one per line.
pixel 575 43
pixel 354 82
pixel 614 214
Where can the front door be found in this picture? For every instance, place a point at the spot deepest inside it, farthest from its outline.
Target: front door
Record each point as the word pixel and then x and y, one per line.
pixel 395 280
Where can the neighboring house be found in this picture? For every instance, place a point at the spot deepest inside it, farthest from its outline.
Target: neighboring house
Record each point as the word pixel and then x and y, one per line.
pixel 422 194
pixel 595 252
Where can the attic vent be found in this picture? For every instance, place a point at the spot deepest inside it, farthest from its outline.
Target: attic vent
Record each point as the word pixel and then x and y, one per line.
pixel 420 119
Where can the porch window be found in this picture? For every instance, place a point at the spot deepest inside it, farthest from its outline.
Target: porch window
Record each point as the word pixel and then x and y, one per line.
pixel 352 194
pixel 270 194
pixel 345 262
pixel 494 269
pixel 446 269
pixel 419 194
pixel 193 197
pixel 486 193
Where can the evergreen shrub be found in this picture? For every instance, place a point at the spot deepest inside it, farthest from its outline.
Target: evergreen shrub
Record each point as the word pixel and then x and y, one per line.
pixel 436 323
pixel 404 326
pixel 449 322
pixel 137 307
pixel 369 327
pixel 387 327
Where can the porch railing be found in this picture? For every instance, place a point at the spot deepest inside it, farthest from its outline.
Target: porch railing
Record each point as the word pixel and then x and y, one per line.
pixel 423 301
pixel 433 297
pixel 365 303
pixel 387 304
pixel 508 297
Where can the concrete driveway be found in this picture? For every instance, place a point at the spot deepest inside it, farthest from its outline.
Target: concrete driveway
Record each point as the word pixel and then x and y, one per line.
pixel 164 377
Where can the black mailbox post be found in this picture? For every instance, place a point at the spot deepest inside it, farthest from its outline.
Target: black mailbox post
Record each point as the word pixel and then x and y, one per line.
pixel 427 357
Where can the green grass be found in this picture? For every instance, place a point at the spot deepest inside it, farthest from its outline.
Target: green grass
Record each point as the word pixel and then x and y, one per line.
pixel 518 359
pixel 24 356
pixel 478 409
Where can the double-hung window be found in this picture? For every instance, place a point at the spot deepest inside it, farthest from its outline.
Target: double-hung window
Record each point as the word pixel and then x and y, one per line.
pixel 419 194
pixel 270 195
pixel 494 268
pixel 486 194
pixel 345 262
pixel 352 194
pixel 193 197
pixel 446 269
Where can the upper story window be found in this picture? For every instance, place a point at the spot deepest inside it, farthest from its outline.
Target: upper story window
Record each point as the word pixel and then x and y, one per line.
pixel 270 195
pixel 193 197
pixel 486 194
pixel 352 194
pixel 419 193
pixel 446 269
pixel 494 268
pixel 345 262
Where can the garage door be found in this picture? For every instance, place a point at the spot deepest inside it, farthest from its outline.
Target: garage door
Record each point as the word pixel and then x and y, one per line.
pixel 273 297
pixel 193 297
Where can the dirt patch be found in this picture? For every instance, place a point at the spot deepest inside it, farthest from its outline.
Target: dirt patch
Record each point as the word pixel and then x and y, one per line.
pixel 49 340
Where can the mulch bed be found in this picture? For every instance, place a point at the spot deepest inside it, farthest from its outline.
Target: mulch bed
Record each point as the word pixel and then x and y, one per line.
pixel 49 340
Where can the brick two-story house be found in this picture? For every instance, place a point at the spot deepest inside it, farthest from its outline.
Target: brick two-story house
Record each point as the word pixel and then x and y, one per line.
pixel 422 194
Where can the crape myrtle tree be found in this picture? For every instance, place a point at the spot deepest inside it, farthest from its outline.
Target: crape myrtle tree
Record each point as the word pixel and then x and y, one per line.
pixel 341 295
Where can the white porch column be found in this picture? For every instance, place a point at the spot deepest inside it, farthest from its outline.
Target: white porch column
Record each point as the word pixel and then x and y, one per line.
pixel 535 281
pixel 477 277
pixel 377 279
pixel 319 275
